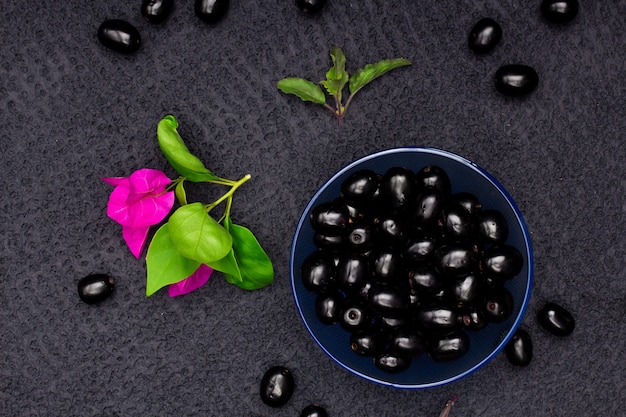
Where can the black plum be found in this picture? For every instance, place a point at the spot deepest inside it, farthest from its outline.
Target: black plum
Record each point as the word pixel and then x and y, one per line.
pixel 387 265
pixel 559 11
pixel 353 270
pixel 211 11
pixel 119 35
pixel 310 6
pixel 492 226
pixel 314 410
pixel 277 386
pixel 519 350
pixel 455 260
pixel 361 236
pixel 95 288
pixel 360 187
pixel 427 209
pixel 405 341
pixel 354 316
pixel 498 305
pixel 438 318
pixel 485 35
pixel 387 300
pixel 392 363
pixel 433 177
pixel 156 11
pixel 457 222
pixel 467 200
pixel 396 186
pixel 516 80
pixel 328 307
pixel 330 218
pixel 556 319
pixel 318 272
pixel 367 342
pixel 501 262
pixel 449 346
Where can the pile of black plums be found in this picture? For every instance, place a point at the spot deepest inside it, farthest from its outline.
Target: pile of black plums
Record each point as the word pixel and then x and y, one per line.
pixel 408 267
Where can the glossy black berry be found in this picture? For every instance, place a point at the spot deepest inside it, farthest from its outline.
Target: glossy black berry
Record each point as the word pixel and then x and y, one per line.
pixel 438 318
pixel 310 6
pixel 498 305
pixel 330 218
pixel 556 319
pixel 277 386
pixel 387 300
pixel 559 11
pixel 427 209
pixel 328 307
pixel 468 201
pixel 387 265
pixel 210 11
pixel 501 262
pixel 397 186
pixel 516 80
pixel 519 350
pixel 458 224
pixel 367 342
pixel 95 288
pixel 405 341
pixel 455 260
pixel 119 35
pixel 314 410
pixel 360 187
pixel 433 177
pixel 492 226
pixel 484 36
pixel 391 363
pixel 318 272
pixel 449 346
pixel 352 271
pixel 156 11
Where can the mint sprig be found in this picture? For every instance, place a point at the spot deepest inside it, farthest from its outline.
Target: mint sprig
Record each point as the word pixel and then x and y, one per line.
pixel 336 79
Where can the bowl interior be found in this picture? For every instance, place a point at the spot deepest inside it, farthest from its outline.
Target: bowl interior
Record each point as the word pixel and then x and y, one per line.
pixel 484 344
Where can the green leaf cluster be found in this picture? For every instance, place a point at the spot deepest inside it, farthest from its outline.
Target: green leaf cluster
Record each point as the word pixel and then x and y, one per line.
pixel 336 79
pixel 192 237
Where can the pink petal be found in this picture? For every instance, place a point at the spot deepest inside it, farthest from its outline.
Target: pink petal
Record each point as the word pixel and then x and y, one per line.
pixel 149 210
pixel 135 238
pixel 117 209
pixel 191 283
pixel 148 181
pixel 115 180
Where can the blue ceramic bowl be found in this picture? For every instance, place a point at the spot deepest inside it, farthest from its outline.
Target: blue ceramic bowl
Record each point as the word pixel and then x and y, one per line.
pixel 484 344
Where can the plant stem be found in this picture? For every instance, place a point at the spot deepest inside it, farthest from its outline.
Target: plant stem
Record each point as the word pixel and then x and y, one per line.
pixel 235 185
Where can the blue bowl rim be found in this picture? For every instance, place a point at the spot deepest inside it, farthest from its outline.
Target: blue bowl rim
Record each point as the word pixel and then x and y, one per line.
pixel 510 201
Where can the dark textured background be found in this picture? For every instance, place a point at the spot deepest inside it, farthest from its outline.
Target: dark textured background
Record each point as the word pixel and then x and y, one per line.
pixel 72 111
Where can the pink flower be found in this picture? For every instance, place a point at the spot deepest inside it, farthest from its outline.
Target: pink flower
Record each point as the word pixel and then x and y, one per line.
pixel 138 202
pixel 192 283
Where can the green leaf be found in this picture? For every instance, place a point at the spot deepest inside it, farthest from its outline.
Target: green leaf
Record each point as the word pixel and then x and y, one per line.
pixel 177 153
pixel 164 264
pixel 197 236
pixel 254 265
pixel 228 265
pixel 181 194
pixel 306 90
pixel 370 72
pixel 336 77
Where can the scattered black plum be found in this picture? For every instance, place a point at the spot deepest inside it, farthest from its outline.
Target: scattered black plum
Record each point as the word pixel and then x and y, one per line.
pixel 485 35
pixel 519 350
pixel 559 11
pixel 310 6
pixel 516 80
pixel 156 11
pixel 120 36
pixel 314 410
pixel 556 319
pixel 277 386
pixel 211 11
pixel 95 288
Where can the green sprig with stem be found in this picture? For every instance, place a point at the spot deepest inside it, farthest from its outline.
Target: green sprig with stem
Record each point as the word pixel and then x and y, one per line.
pixel 336 80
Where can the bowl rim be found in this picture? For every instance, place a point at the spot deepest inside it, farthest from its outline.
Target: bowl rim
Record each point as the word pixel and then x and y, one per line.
pixel 501 189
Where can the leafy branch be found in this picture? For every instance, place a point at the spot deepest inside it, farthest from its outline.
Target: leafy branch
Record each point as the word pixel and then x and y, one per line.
pixel 336 79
